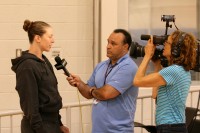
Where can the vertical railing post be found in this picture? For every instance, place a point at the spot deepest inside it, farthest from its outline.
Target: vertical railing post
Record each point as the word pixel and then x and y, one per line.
pixel 68 116
pixel 152 107
pixel 142 112
pixel 0 124
pixel 191 101
pixel 11 124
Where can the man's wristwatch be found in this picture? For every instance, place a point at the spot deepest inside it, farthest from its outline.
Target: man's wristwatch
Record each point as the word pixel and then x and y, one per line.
pixel 91 90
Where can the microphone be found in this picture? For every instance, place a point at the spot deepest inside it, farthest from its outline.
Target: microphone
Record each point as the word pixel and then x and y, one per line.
pixel 156 39
pixel 145 37
pixel 61 65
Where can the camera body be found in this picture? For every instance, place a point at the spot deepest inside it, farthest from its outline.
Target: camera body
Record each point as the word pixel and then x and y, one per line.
pixel 138 50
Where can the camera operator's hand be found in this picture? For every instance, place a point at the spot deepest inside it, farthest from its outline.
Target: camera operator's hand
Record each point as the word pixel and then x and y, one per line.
pixel 150 48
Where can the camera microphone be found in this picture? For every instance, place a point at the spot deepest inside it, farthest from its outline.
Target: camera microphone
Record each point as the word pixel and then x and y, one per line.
pixel 61 65
pixel 145 37
pixel 156 39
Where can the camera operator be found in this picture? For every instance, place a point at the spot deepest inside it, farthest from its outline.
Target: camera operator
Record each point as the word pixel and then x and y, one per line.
pixel 170 84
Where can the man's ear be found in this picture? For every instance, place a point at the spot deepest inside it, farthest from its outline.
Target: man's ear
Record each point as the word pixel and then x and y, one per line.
pixel 37 38
pixel 126 46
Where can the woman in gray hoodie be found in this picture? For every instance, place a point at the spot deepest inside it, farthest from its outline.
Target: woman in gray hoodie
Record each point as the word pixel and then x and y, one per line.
pixel 36 83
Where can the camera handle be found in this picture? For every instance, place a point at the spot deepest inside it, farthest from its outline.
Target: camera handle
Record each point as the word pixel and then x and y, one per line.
pixel 167 25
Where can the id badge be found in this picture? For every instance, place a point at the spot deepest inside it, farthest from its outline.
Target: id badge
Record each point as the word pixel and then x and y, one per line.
pixel 95 101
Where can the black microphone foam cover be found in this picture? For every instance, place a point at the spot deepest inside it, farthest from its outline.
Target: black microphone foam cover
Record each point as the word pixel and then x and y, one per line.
pixel 58 60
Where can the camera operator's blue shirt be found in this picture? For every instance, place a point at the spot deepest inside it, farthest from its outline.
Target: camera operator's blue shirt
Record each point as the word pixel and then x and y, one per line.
pixel 172 97
pixel 115 115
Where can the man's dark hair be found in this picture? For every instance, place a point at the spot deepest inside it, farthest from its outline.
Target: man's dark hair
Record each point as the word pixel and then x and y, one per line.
pixel 127 36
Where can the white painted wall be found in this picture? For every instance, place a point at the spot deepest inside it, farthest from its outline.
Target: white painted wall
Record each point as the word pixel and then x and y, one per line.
pixel 114 14
pixel 72 21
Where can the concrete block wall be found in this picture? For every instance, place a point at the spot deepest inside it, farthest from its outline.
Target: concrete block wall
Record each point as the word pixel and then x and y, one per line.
pixel 72 23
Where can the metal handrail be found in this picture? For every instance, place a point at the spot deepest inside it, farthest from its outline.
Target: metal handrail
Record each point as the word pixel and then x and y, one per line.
pixel 69 106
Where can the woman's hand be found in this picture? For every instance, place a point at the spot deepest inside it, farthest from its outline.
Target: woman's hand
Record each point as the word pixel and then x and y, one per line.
pixel 150 48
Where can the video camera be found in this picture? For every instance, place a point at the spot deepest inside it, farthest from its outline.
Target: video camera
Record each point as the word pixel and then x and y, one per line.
pixel 137 50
